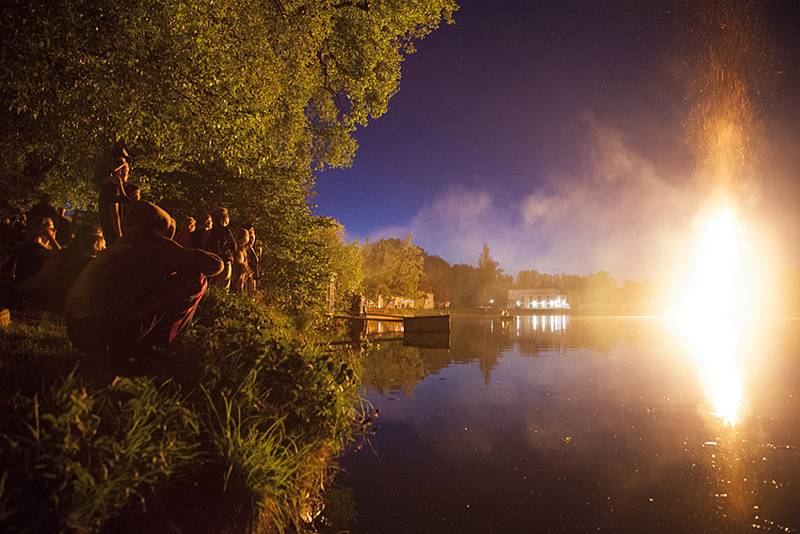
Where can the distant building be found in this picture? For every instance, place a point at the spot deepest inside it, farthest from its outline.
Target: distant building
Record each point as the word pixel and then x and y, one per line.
pixel 425 302
pixel 538 299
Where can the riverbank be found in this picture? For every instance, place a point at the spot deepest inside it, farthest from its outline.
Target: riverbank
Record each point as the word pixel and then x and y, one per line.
pixel 232 431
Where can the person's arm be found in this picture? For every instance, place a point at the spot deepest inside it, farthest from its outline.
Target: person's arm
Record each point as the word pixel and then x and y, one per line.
pixel 121 174
pixel 53 242
pixel 116 223
pixel 207 263
pixel 176 258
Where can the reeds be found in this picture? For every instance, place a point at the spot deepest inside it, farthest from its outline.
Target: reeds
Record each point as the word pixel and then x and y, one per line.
pixel 233 431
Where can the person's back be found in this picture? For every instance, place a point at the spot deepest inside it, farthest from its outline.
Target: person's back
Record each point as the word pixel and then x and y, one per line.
pixel 87 244
pixel 142 279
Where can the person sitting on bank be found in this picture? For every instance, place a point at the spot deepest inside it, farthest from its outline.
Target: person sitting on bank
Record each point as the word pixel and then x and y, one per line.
pixel 133 192
pixel 40 247
pixel 140 292
pixel 241 273
pixel 185 235
pixel 88 243
pixel 254 252
pixel 200 235
pixel 221 242
pixel 44 209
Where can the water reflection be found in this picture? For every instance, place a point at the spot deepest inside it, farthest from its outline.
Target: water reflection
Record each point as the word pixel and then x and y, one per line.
pixel 715 345
pixel 590 426
pixel 531 324
pixel 393 368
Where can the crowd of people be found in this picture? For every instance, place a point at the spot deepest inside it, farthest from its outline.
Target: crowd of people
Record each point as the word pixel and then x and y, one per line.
pixel 132 281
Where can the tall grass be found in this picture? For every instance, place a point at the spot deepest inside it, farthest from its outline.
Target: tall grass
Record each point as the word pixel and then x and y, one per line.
pixel 233 431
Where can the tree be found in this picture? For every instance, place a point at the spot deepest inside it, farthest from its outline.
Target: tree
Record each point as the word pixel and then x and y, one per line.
pixel 255 86
pixel 345 262
pixel 392 267
pixel 233 102
pixel 437 278
pixel 467 286
pixel 487 273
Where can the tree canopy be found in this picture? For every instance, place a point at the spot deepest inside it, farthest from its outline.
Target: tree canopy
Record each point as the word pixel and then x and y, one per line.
pixel 392 267
pixel 233 103
pixel 257 86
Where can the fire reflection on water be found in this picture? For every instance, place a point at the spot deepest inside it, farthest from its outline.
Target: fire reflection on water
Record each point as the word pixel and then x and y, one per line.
pixel 711 315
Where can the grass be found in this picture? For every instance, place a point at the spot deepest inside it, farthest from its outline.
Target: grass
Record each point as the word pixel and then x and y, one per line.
pixel 241 420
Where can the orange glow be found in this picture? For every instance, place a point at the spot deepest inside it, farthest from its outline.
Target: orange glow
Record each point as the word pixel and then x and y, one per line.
pixel 712 312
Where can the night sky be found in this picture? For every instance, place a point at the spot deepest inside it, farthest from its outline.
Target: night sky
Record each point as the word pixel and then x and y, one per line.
pixel 554 132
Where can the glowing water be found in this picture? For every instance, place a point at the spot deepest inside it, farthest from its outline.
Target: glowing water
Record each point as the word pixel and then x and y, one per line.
pixel 711 315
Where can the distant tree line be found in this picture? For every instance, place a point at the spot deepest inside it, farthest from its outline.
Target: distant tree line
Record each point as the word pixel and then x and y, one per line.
pixel 398 267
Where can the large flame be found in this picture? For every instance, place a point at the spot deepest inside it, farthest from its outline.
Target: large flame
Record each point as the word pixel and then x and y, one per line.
pixel 712 312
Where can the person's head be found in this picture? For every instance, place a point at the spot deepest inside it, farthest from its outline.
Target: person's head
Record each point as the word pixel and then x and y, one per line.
pixel 134 192
pixel 243 237
pixel 43 230
pixel 208 222
pixel 222 217
pixel 89 240
pixel 252 234
pixel 119 164
pixel 190 224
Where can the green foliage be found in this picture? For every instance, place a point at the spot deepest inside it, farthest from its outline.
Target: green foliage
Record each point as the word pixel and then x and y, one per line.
pixel 219 102
pixel 278 406
pixel 394 367
pixel 345 262
pixel 437 278
pixel 247 414
pixel 74 456
pixel 392 267
pixel 256 86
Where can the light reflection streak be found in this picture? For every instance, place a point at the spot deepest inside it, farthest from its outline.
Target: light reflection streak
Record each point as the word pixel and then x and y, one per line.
pixel 711 316
pixel 526 325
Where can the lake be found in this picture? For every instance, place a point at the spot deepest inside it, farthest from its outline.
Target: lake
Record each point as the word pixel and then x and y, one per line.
pixel 568 424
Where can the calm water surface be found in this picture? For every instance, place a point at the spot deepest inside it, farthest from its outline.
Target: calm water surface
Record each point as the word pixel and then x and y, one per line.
pixel 558 424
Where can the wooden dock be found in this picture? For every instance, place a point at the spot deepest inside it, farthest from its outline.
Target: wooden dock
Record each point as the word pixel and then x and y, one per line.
pixel 428 324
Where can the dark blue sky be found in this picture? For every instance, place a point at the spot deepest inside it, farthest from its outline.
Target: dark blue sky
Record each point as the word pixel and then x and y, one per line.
pixel 517 110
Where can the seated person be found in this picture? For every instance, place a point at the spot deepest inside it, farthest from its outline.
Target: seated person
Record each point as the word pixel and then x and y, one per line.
pixel 241 273
pixel 30 280
pixel 133 192
pixel 86 245
pixel 221 242
pixel 142 291
pixel 200 235
pixel 185 236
